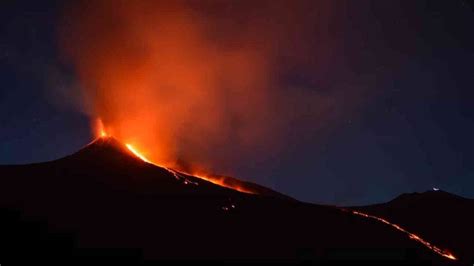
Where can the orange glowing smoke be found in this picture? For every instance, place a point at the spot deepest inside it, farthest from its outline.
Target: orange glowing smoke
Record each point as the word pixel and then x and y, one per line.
pixel 191 85
pixel 100 129
pixel 415 237
pixel 157 79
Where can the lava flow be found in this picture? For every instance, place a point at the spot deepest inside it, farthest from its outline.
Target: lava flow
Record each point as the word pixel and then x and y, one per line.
pixel 134 151
pixel 417 238
pixel 218 180
pixel 215 180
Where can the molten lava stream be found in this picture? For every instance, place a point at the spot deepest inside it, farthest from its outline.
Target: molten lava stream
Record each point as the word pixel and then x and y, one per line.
pixel 215 180
pixel 415 237
pixel 136 153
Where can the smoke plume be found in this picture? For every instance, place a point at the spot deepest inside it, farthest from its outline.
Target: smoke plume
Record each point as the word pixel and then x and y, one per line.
pixel 195 84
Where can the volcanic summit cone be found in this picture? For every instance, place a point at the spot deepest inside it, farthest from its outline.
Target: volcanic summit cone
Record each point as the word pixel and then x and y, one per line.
pixel 104 201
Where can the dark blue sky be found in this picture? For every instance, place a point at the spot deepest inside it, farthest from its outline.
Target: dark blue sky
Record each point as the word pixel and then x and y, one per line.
pixel 415 132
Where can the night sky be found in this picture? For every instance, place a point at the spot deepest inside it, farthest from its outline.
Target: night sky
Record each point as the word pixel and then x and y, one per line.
pixel 411 130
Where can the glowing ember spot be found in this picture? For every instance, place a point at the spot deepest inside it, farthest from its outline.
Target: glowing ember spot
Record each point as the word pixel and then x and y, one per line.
pixel 417 238
pixel 138 154
pixel 100 129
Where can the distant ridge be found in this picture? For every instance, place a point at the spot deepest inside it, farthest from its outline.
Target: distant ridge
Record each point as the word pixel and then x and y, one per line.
pixel 103 201
pixel 439 216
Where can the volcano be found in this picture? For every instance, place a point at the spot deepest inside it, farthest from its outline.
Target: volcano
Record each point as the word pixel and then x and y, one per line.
pixel 106 203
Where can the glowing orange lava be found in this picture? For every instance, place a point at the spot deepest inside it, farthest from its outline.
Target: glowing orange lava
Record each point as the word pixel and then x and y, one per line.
pixel 138 154
pixel 220 181
pixel 417 238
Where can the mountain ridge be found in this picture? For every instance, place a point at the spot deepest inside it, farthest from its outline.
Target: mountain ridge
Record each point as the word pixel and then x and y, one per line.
pixel 100 198
pixel 439 216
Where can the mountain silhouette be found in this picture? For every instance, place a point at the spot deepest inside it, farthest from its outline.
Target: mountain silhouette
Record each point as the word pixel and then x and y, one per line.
pixel 104 203
pixel 440 217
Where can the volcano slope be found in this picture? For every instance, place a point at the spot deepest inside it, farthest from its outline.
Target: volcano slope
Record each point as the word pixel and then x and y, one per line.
pixel 103 202
pixel 440 217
